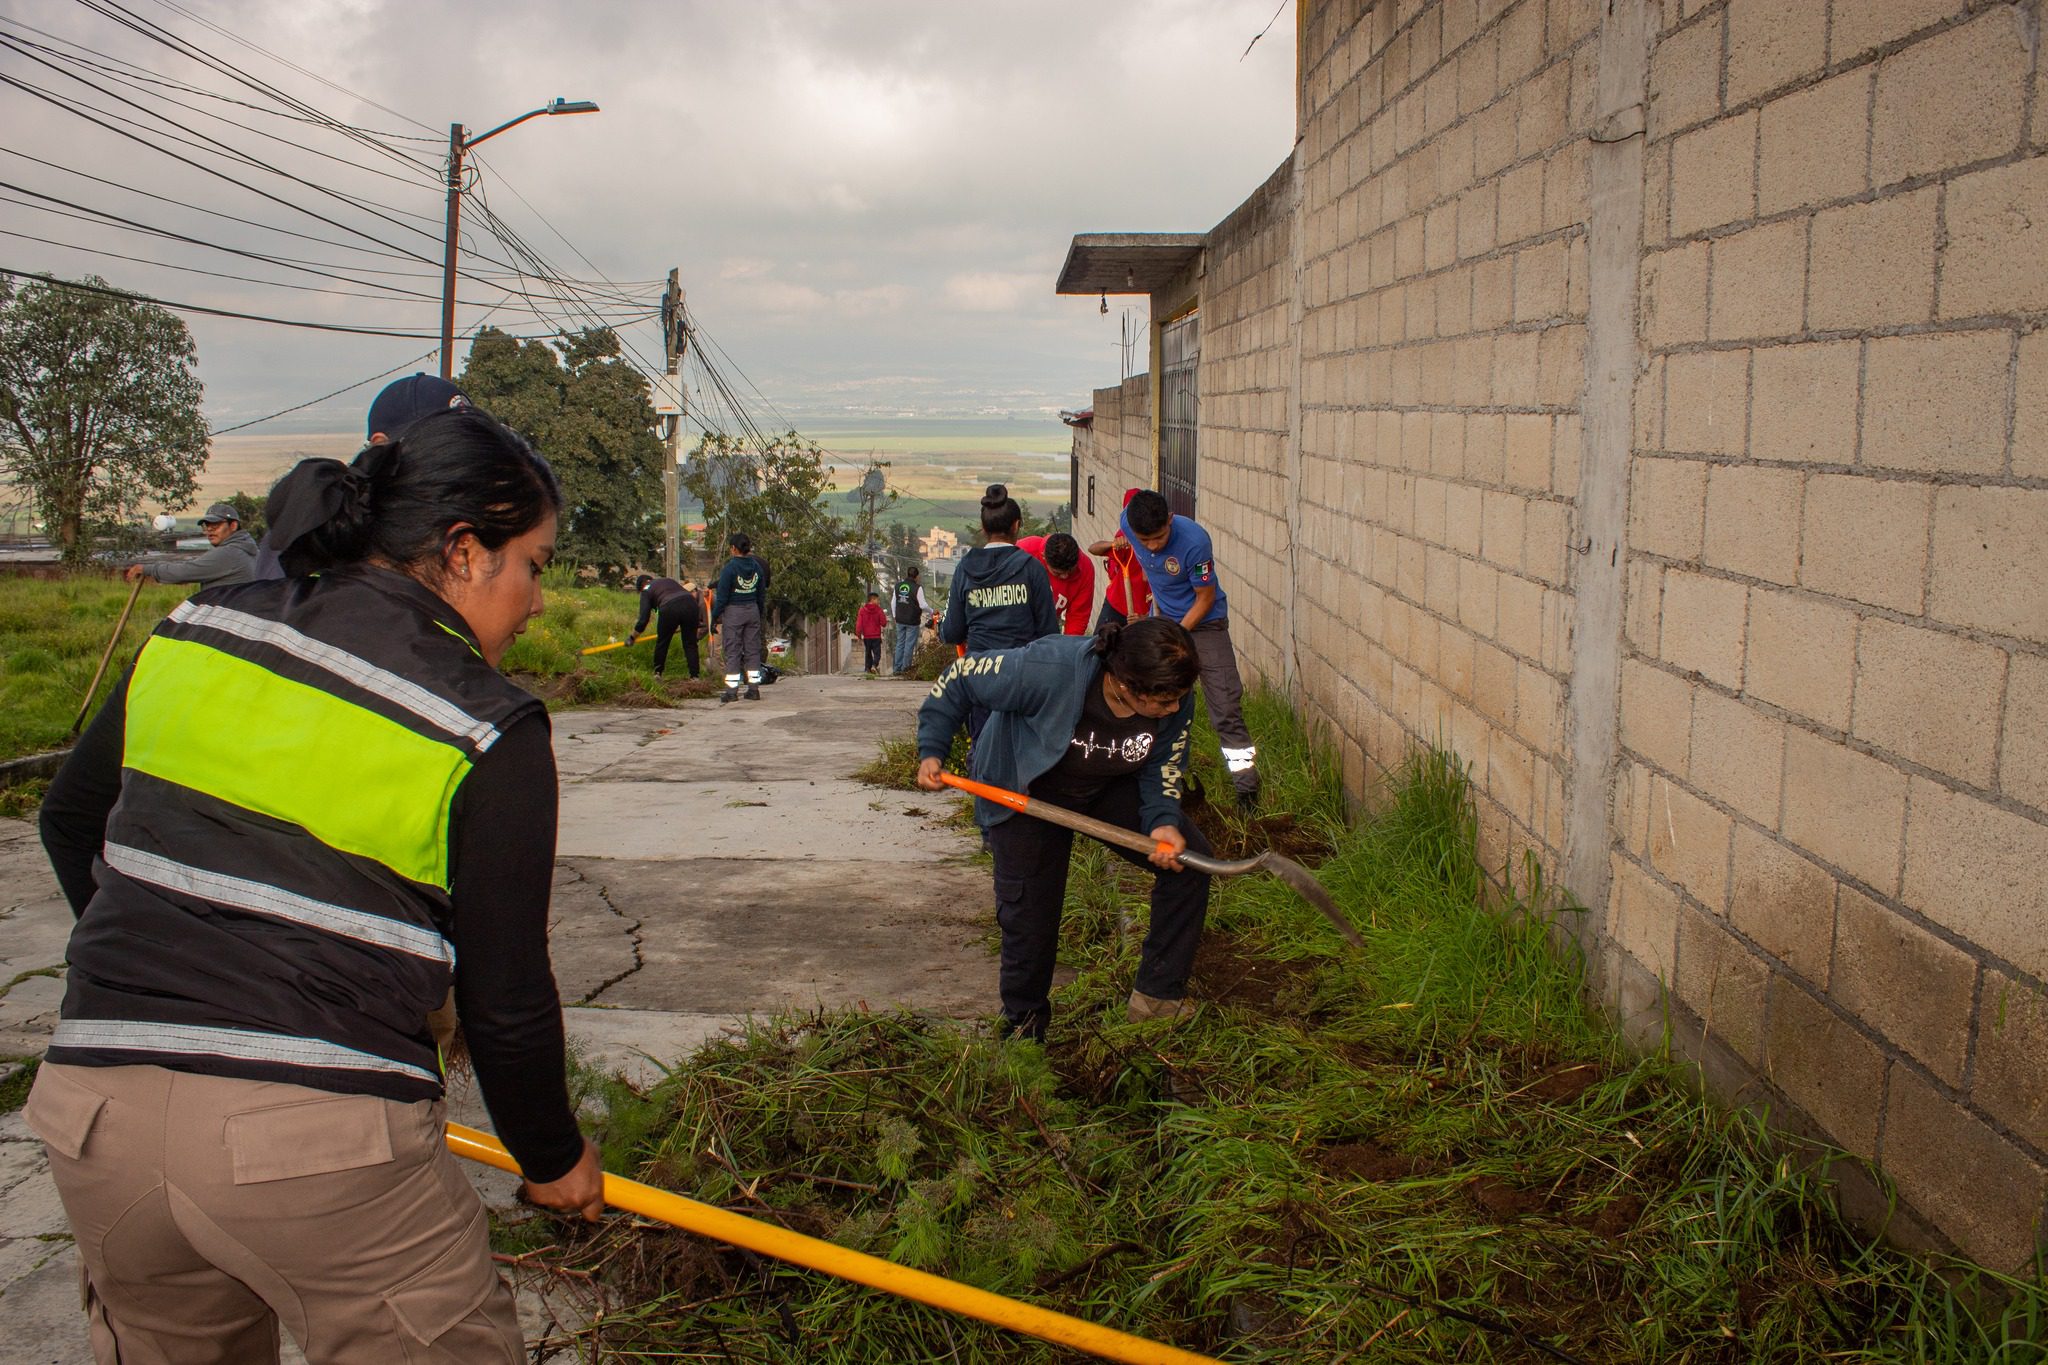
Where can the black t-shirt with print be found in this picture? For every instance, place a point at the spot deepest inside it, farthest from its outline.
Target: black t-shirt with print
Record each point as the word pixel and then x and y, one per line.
pixel 1105 747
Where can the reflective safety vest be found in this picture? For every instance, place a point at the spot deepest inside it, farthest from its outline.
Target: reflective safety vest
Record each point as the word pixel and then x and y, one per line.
pixel 273 895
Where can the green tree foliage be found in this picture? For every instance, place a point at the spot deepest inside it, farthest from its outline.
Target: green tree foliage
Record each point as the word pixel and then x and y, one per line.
pixel 590 413
pixel 99 408
pixel 900 553
pixel 777 496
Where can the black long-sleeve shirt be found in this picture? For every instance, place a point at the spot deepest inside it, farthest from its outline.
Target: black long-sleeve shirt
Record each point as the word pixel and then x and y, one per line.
pixel 657 596
pixel 501 851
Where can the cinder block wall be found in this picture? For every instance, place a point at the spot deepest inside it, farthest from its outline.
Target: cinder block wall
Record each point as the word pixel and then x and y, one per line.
pixel 1116 448
pixel 1834 706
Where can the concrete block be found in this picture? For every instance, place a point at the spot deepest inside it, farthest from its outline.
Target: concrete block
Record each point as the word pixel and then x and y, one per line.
pixel 1905 983
pixel 1643 917
pixel 1688 843
pixel 1802 656
pixel 1814 144
pixel 1518 616
pixel 1722 982
pixel 1975 870
pixel 1738 756
pixel 1825 1067
pixel 1987 550
pixel 1753 521
pixel 1667 502
pixel 1772 43
pixel 1865 539
pixel 1713 175
pixel 1656 715
pixel 2030 418
pixel 1996 256
pixel 1873 264
pixel 1501 527
pixel 1540 282
pixel 1845 807
pixel 1803 402
pixel 1954 98
pixel 1936 403
pixel 1873 23
pixel 1947 1161
pixel 1930 697
pixel 1685 78
pixel 1784 904
pixel 1759 282
pixel 1706 402
pixel 1706 621
pixel 1561 366
pixel 2010 1081
pixel 2023 747
pixel 1549 538
pixel 1527 451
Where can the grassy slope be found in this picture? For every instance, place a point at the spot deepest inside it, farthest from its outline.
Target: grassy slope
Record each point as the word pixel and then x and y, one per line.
pixel 51 635
pixel 1337 1155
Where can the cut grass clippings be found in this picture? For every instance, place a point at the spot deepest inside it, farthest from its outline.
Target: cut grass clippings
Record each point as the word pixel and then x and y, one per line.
pixel 1430 1151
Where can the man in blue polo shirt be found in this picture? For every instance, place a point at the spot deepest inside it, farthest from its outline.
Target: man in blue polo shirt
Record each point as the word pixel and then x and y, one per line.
pixel 1180 564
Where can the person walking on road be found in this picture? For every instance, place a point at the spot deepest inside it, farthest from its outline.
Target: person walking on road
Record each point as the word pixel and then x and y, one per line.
pixel 231 560
pixel 1098 724
pixel 1125 593
pixel 1180 566
pixel 1001 597
pixel 736 613
pixel 305 803
pixel 1072 578
pixel 868 623
pixel 672 606
pixel 910 612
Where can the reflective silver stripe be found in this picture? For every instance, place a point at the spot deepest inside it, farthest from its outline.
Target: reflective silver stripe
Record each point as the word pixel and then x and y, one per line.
pixel 444 715
pixel 142 1035
pixel 1237 760
pixel 278 903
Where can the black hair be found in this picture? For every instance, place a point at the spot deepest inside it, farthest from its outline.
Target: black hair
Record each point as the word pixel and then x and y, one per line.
pixel 741 541
pixel 1000 512
pixel 913 571
pixel 640 583
pixel 1147 512
pixel 406 502
pixel 873 595
pixel 1062 552
pixel 1153 656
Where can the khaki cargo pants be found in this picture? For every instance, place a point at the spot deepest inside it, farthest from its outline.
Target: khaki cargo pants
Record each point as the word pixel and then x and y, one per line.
pixel 208 1209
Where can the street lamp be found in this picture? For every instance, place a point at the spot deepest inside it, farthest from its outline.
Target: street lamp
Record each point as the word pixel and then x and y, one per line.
pixel 457 145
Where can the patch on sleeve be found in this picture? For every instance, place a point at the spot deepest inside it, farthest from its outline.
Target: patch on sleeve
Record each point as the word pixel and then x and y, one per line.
pixel 1202 574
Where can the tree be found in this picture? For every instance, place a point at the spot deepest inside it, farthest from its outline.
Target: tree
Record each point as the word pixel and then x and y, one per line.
pixel 777 496
pixel 99 407
pixel 590 412
pixel 900 553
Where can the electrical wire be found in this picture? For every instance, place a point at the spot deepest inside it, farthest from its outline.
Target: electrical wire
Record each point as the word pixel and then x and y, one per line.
pixel 312 402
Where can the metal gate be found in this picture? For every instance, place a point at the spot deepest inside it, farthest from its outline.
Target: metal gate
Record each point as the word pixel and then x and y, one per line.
pixel 1180 349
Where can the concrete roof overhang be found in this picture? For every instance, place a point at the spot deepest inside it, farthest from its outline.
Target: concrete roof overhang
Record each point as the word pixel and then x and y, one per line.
pixel 1127 262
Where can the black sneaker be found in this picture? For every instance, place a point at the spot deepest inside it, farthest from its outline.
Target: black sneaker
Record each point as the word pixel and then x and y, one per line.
pixel 753 694
pixel 730 694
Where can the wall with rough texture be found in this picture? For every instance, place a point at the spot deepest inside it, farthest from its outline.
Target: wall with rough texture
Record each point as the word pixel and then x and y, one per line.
pixel 1116 449
pixel 1647 400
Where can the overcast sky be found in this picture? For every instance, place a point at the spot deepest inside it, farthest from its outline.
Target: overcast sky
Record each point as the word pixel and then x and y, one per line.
pixel 869 199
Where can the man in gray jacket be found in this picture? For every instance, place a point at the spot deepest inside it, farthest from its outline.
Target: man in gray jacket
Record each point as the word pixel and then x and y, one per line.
pixel 231 560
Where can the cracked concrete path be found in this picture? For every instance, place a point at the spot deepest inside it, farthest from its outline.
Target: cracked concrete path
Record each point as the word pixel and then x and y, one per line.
pixel 714 862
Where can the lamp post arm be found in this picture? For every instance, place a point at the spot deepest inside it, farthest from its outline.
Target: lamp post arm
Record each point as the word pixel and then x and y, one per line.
pixel 513 123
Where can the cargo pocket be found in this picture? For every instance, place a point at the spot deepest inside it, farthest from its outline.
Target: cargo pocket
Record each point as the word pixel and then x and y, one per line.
pixel 437 1300
pixel 309 1137
pixel 62 1110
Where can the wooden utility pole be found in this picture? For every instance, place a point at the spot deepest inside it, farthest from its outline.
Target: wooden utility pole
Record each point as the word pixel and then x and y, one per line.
pixel 676 338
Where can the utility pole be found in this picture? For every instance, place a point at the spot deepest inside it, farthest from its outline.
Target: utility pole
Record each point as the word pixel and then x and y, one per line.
pixel 675 339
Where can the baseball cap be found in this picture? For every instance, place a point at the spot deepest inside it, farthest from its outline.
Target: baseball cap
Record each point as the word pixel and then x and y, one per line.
pixel 220 511
pixel 404 401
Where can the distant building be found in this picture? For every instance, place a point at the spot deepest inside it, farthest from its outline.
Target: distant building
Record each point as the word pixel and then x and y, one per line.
pixel 939 544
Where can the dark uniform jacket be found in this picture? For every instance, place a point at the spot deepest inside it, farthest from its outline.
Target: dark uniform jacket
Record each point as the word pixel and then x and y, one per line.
pixel 1000 598
pixel 743 581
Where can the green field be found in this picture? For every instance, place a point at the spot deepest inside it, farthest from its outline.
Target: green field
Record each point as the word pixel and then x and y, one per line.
pixel 51 636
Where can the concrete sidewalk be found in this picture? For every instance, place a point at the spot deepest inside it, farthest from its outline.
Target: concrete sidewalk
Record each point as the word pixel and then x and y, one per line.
pixel 713 862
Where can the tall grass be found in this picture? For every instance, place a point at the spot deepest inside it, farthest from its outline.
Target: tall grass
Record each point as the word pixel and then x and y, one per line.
pixel 52 633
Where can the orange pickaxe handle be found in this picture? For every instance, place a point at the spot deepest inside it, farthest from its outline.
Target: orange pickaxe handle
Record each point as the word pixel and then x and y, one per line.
pixel 1059 815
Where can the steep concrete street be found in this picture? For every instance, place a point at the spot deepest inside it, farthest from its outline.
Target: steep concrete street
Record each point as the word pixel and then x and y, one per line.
pixel 713 862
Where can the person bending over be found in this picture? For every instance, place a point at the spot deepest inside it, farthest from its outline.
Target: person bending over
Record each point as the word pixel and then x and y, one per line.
pixel 1099 725
pixel 672 606
pixel 1071 575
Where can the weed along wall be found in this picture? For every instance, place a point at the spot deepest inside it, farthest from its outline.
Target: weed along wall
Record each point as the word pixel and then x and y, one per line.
pixel 1648 403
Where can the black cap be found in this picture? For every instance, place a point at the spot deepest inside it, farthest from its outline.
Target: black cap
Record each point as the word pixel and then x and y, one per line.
pixel 405 401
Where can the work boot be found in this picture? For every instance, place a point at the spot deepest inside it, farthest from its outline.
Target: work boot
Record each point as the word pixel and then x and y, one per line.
pixel 753 693
pixel 730 694
pixel 1248 798
pixel 1144 1007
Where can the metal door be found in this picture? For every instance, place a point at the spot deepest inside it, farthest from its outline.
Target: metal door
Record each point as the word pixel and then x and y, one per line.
pixel 1180 349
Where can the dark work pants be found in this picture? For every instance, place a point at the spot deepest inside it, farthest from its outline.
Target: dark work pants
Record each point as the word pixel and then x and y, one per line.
pixel 740 644
pixel 677 616
pixel 1223 694
pixel 872 650
pixel 1108 615
pixel 1031 889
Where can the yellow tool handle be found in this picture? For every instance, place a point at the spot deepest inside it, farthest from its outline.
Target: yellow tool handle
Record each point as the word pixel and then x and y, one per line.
pixel 618 644
pixel 741 1231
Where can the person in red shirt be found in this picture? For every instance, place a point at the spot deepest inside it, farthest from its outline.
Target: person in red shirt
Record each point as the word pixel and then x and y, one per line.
pixel 868 623
pixel 1073 578
pixel 1125 593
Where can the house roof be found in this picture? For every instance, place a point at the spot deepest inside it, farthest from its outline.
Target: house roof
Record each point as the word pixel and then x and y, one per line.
pixel 1126 262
